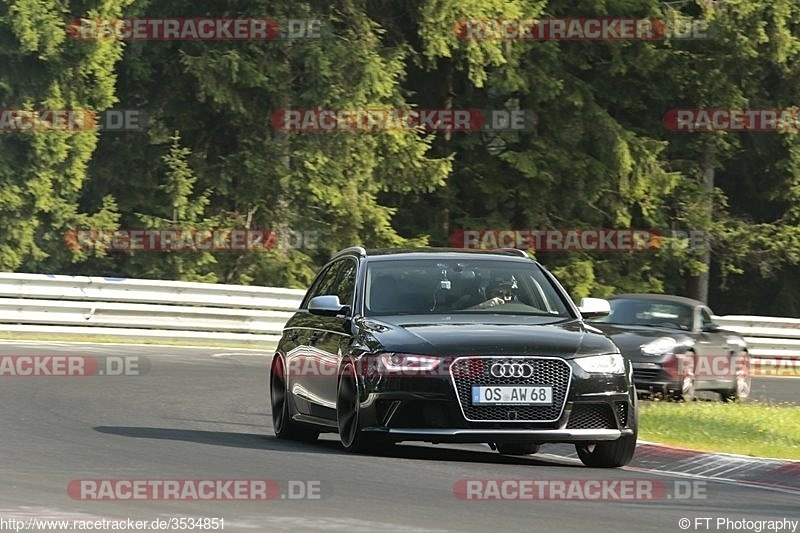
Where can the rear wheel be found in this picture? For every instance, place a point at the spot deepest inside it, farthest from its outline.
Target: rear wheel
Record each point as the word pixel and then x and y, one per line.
pixel 282 423
pixel 518 448
pixel 742 383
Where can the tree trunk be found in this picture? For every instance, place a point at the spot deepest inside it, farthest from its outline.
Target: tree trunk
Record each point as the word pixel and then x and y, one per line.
pixel 449 98
pixel 698 285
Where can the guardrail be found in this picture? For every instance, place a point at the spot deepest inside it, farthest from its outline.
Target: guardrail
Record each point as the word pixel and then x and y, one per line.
pixel 179 310
pixel 120 307
pixel 768 338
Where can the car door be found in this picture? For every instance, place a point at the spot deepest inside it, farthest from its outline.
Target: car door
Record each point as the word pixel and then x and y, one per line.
pixel 302 362
pixel 720 368
pixel 332 340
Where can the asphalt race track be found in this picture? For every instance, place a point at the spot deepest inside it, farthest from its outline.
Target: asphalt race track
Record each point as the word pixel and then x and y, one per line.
pixel 776 390
pixel 203 414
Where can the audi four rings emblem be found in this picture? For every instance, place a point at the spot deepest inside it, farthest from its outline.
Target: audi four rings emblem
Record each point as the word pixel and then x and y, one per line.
pixel 511 370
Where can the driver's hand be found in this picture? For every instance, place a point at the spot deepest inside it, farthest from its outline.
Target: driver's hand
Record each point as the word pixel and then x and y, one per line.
pixel 490 303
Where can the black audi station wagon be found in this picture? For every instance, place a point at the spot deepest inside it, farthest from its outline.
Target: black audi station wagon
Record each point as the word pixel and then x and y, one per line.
pixel 451 346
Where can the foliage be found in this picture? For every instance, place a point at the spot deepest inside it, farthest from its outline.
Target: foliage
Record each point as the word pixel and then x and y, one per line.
pixel 596 153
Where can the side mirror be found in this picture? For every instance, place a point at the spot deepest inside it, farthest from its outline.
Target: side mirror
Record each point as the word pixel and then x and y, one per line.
pixel 593 307
pixel 711 328
pixel 327 305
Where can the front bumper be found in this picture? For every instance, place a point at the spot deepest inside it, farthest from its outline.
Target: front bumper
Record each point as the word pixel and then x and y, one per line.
pixel 592 408
pixel 504 435
pixel 654 378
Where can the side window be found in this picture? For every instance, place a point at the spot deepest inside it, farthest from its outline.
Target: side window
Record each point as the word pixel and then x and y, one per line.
pixel 323 284
pixel 705 317
pixel 346 284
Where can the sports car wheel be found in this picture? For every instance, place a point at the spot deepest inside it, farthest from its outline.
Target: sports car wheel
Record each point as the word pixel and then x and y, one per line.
pixel 687 388
pixel 610 454
pixel 741 387
pixel 282 423
pixel 348 415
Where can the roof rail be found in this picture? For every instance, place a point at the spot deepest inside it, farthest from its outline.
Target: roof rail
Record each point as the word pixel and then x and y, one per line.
pixel 358 250
pixel 515 251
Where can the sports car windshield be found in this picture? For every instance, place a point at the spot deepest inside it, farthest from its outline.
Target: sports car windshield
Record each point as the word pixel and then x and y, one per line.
pixel 437 286
pixel 651 313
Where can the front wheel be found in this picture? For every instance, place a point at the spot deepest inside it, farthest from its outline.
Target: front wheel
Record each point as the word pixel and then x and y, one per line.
pixel 610 454
pixel 348 406
pixel 687 390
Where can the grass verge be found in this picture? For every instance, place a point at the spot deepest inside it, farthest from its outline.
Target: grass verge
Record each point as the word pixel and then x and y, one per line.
pixel 754 429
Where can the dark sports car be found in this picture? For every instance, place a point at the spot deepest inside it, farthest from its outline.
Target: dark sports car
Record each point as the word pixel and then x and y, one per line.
pixel 451 346
pixel 676 348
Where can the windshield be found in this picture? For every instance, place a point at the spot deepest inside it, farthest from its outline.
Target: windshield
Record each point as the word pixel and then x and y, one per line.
pixel 436 286
pixel 650 313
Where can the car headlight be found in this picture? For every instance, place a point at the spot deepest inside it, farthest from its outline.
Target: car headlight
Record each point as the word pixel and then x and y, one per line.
pixel 735 340
pixel 612 363
pixel 406 364
pixel 659 346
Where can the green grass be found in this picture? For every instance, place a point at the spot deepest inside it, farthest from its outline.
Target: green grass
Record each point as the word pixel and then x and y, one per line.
pixel 755 429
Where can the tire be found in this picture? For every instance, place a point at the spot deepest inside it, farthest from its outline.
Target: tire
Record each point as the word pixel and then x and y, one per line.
pixel 742 383
pixel 518 448
pixel 282 423
pixel 348 405
pixel 687 388
pixel 610 454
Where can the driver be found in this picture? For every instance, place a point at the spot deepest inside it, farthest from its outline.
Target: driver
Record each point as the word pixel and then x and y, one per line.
pixel 499 292
pixel 686 318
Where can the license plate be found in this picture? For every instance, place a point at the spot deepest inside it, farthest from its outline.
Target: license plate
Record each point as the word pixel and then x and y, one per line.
pixel 512 395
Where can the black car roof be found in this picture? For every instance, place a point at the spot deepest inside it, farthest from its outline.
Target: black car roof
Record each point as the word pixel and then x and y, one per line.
pixel 658 298
pixel 428 253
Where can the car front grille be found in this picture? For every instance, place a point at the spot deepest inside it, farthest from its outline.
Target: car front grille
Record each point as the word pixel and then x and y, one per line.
pixel 591 416
pixel 546 371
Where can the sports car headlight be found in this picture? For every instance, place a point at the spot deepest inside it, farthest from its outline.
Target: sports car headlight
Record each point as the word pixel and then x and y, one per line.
pixel 408 364
pixel 659 346
pixel 612 363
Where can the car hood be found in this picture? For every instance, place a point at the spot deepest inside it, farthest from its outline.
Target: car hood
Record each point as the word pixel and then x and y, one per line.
pixel 486 337
pixel 629 339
